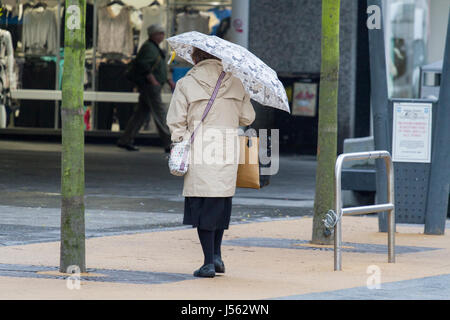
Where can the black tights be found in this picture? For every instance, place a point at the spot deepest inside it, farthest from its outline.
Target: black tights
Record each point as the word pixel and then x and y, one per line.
pixel 211 242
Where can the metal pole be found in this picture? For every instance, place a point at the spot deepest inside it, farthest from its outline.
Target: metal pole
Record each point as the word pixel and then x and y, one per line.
pixel 58 61
pixel 391 214
pixel 338 208
pixel 439 183
pixel 240 17
pixel 339 211
pixel 94 66
pixel 380 106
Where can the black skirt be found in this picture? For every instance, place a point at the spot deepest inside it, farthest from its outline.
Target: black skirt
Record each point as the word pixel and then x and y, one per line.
pixel 207 213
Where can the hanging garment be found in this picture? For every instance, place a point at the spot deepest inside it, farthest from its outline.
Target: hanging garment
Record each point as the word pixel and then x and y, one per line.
pixel 37 74
pixel 152 15
pixel 213 21
pixel 220 15
pixel 9 20
pixel 193 22
pixel 115 33
pixel 39 34
pixel 111 77
pixel 7 75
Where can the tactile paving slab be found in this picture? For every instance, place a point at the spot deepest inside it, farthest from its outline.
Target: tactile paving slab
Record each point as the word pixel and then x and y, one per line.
pixel 306 245
pixel 104 275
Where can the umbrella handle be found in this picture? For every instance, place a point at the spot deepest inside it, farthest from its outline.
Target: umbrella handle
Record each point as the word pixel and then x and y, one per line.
pixel 172 57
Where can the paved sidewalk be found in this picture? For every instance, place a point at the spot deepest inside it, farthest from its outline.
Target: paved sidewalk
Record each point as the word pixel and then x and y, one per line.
pixel 137 247
pixel 429 288
pixel 278 263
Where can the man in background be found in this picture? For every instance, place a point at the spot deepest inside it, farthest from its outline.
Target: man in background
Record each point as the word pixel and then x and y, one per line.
pixel 149 72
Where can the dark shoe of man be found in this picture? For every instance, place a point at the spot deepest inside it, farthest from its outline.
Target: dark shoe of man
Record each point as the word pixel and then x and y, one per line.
pixel 129 147
pixel 219 266
pixel 206 271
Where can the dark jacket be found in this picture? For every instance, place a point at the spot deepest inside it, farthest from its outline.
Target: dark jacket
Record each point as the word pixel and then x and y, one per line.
pixel 150 59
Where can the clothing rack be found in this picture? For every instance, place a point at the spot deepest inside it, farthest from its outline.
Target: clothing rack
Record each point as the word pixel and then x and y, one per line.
pixel 200 4
pixel 94 96
pixel 174 4
pixel 58 53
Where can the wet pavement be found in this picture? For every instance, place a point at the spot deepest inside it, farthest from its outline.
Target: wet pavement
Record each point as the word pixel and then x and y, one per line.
pixel 126 192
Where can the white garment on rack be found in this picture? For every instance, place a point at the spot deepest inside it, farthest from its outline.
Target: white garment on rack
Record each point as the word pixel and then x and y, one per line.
pixel 193 22
pixel 6 70
pixel 2 116
pixel 152 15
pixel 115 33
pixel 136 19
pixel 7 60
pixel 39 34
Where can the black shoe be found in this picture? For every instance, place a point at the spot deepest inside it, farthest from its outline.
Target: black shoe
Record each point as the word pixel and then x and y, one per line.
pixel 206 271
pixel 129 147
pixel 219 266
pixel 167 150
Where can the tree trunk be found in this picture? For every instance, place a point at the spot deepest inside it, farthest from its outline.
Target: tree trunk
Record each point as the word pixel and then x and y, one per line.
pixel 328 101
pixel 72 168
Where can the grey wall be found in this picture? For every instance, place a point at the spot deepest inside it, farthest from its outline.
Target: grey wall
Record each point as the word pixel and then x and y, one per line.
pixel 286 34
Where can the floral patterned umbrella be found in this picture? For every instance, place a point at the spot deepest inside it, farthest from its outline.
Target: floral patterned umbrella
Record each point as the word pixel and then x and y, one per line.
pixel 259 80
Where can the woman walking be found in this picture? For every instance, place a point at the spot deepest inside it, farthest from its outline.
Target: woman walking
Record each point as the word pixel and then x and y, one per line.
pixel 209 184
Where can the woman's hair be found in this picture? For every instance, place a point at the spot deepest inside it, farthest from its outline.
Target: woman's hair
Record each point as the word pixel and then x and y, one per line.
pixel 199 55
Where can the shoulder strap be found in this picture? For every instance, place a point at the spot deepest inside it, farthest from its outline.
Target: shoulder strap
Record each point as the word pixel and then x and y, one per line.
pixel 210 103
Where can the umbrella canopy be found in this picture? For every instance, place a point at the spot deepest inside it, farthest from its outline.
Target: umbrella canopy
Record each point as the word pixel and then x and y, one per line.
pixel 259 80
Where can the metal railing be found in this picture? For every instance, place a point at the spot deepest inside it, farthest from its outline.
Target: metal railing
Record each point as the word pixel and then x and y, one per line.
pixel 334 218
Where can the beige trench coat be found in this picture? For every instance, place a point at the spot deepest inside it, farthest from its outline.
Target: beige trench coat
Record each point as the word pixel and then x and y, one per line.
pixel 215 152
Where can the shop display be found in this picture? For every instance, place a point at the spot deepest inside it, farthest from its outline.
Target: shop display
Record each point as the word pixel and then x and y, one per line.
pixel 37 28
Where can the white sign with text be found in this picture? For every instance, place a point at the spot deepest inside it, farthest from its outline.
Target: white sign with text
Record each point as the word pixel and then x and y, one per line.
pixel 412 127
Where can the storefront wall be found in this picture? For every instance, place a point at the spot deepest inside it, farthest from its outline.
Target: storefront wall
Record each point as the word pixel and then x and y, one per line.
pixel 286 34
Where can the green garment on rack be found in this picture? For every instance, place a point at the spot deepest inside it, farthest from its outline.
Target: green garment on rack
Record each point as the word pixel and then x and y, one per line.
pixel 61 65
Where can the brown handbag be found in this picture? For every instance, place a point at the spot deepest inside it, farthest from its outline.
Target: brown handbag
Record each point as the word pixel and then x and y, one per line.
pixel 248 169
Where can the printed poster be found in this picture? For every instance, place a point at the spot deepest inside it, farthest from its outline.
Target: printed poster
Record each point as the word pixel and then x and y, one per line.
pixel 305 99
pixel 412 132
